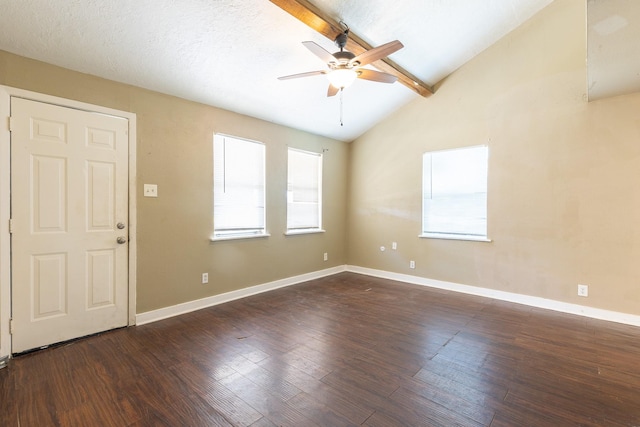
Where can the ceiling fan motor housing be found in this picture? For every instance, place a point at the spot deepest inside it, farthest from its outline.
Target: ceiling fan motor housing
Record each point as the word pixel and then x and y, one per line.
pixel 344 57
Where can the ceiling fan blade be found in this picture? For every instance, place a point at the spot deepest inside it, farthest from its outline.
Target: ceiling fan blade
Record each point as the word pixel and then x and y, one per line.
pixel 376 76
pixel 307 74
pixel 377 53
pixel 332 91
pixel 320 52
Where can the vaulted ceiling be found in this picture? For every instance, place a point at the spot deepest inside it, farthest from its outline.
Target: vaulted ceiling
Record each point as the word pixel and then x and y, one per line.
pixel 230 53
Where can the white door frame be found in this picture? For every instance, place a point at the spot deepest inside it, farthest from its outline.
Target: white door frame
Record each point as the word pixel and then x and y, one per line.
pixel 5 200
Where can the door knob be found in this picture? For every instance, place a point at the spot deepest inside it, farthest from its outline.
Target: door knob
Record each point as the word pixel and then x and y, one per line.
pixel 120 225
pixel 121 239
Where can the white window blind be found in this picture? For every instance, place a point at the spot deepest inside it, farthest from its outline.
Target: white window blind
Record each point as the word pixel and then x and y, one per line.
pixel 238 187
pixel 304 191
pixel 454 189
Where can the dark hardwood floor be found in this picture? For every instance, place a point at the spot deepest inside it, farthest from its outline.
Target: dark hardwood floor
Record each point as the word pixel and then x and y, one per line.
pixel 346 350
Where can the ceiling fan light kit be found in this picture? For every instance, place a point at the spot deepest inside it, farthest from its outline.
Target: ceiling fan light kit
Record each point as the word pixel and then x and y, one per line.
pixel 342 77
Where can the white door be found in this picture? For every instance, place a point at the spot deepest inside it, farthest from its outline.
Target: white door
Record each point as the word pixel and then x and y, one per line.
pixel 69 223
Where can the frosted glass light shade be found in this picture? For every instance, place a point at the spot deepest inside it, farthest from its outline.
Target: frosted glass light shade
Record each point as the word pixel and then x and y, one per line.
pixel 341 78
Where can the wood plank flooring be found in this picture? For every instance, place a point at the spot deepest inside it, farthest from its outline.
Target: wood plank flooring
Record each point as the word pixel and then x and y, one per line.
pixel 346 350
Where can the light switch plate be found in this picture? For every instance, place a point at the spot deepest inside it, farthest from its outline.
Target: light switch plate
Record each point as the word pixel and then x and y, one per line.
pixel 150 190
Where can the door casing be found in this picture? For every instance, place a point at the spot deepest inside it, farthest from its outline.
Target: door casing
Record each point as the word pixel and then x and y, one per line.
pixel 5 201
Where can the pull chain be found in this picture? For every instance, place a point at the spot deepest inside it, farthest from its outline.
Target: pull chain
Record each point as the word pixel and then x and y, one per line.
pixel 341 92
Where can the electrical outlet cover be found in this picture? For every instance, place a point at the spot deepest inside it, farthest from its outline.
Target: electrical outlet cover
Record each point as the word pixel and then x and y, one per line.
pixel 150 190
pixel 583 290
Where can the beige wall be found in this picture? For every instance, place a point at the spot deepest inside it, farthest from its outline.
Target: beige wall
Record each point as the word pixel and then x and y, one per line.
pixel 564 202
pixel 564 174
pixel 174 151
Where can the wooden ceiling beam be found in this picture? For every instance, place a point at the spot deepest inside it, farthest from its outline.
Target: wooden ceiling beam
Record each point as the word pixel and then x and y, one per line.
pixel 328 27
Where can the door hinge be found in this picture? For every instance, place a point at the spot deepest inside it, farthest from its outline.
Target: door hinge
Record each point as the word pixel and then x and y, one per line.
pixel 10 226
pixel 10 119
pixel 11 326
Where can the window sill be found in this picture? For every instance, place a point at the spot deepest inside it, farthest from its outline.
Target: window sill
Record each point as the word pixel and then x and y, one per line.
pixel 306 231
pixel 239 237
pixel 443 236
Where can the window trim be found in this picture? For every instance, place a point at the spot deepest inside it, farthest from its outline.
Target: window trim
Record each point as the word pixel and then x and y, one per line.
pixel 215 238
pixel 299 231
pixel 239 235
pixel 449 235
pixel 307 230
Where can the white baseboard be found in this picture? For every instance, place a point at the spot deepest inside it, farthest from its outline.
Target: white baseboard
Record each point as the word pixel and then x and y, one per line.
pixel 595 313
pixel 580 310
pixel 175 310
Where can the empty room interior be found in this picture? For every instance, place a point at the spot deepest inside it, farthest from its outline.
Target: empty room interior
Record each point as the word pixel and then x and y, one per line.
pixel 198 228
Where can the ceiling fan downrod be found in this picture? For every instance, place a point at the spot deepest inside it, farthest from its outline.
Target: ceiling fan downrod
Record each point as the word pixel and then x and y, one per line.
pixel 341 39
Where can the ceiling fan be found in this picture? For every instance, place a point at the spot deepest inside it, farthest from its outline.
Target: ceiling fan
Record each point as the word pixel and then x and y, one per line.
pixel 344 67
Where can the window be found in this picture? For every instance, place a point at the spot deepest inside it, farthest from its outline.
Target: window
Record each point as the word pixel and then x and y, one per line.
pixel 304 192
pixel 454 193
pixel 238 188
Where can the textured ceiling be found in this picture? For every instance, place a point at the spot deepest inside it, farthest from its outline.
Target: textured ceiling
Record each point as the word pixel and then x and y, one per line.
pixel 229 53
